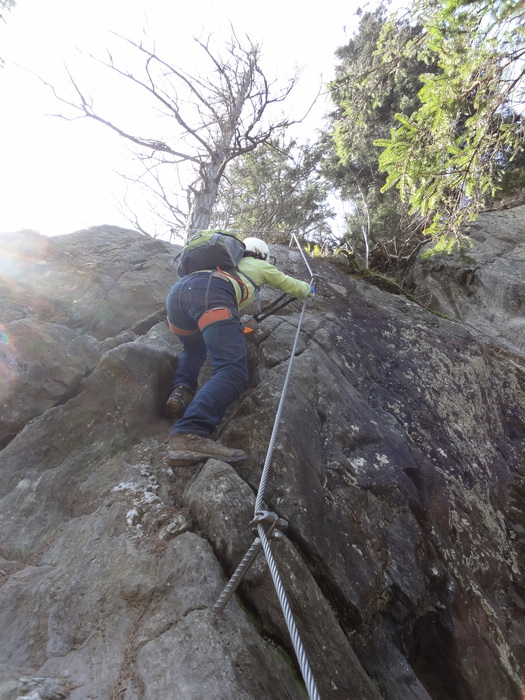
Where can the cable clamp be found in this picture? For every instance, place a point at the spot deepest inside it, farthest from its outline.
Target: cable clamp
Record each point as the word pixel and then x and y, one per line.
pixel 275 524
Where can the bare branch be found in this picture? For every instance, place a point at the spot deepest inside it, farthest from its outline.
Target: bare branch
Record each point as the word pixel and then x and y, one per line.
pixel 217 117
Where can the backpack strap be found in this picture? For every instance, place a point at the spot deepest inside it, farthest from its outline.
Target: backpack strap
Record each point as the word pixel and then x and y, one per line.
pixel 207 291
pixel 256 288
pixel 175 259
pixel 245 292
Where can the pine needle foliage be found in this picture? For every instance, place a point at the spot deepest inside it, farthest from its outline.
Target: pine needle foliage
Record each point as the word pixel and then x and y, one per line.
pixel 450 154
pixel 275 189
pixel 367 93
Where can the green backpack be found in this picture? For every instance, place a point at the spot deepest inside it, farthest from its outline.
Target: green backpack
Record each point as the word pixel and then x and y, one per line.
pixel 211 249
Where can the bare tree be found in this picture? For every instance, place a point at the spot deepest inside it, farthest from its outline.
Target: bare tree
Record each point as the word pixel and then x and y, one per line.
pixel 213 119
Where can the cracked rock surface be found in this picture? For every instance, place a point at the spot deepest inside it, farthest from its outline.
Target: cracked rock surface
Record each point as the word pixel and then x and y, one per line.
pixel 483 287
pixel 399 467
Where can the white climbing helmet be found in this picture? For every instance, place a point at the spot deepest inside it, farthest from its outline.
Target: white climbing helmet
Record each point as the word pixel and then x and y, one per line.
pixel 258 247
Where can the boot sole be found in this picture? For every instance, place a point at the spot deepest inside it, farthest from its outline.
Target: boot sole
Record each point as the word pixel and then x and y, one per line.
pixel 182 462
pixel 188 459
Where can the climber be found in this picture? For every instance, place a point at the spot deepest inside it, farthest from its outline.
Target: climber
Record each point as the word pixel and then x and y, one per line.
pixel 203 311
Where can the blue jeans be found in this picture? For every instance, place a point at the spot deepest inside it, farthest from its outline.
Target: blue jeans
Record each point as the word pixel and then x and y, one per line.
pixel 223 340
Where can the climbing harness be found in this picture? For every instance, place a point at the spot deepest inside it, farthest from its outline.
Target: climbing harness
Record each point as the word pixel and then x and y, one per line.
pixel 269 526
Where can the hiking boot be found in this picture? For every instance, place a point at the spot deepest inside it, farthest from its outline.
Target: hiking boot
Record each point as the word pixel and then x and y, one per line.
pixel 185 449
pixel 179 400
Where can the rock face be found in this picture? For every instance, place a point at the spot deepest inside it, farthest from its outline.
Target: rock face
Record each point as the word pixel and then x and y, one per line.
pixel 399 467
pixel 484 288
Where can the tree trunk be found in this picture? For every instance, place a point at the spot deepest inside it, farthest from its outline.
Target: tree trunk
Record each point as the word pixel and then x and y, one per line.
pixel 204 199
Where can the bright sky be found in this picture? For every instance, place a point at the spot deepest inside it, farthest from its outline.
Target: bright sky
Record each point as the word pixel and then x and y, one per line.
pixel 58 176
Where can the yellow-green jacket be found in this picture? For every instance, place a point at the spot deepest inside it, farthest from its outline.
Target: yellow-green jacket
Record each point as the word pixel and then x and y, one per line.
pixel 262 272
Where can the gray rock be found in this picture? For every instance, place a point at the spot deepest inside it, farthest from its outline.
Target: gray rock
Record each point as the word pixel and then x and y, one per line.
pixel 215 656
pixel 43 365
pixel 43 689
pixel 100 281
pixel 221 503
pixel 486 288
pixel 398 465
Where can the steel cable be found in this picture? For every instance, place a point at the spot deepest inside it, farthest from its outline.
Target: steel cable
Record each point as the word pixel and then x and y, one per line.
pixel 262 540
pixel 273 437
pixel 237 576
pixel 305 260
pixel 290 622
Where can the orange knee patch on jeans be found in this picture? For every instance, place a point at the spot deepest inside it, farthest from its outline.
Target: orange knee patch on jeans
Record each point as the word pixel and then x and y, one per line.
pixel 212 316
